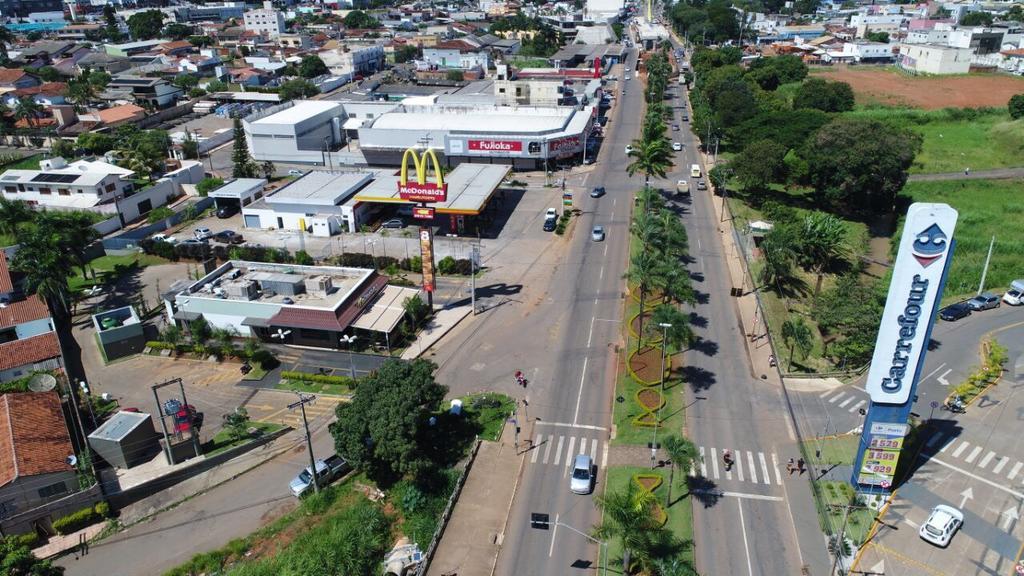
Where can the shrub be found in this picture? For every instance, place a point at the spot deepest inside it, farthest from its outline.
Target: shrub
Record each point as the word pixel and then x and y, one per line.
pixel 157 345
pixel 76 521
pixel 446 265
pixel 318 378
pixel 157 214
pixel 30 540
pixel 102 508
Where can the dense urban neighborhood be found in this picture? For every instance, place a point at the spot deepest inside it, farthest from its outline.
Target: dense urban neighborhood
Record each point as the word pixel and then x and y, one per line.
pixel 500 287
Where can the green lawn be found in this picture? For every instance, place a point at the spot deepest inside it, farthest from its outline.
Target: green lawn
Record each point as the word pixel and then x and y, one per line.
pixel 26 163
pixel 222 440
pixel 837 495
pixel 110 268
pixel 257 373
pixel 491 412
pixel 841 450
pixel 680 512
pixel 987 208
pixel 953 143
pixel 313 387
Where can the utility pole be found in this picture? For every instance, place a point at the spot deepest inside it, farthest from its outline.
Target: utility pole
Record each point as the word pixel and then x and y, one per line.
pixel 474 254
pixel 301 405
pixel 984 272
pixel 838 544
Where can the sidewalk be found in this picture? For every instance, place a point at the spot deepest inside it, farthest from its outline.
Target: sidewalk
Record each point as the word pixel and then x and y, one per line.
pixel 473 537
pixel 443 321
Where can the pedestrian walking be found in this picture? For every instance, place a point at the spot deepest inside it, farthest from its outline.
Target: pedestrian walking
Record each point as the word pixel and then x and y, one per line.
pixel 800 465
pixel 967 171
pixel 790 466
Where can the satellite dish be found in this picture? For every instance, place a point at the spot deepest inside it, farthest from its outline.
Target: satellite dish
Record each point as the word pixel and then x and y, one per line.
pixel 42 383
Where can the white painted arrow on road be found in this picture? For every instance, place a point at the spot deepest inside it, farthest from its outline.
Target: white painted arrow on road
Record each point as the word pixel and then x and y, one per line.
pixel 878 568
pixel 966 495
pixel 1009 516
pixel 941 379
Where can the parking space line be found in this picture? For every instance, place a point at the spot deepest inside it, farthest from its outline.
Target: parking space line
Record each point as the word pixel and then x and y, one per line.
pixel 974 454
pixel 1013 471
pixel 999 465
pixel 987 459
pixel 960 449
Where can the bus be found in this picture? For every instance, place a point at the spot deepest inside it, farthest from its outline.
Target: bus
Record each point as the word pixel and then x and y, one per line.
pixel 694 171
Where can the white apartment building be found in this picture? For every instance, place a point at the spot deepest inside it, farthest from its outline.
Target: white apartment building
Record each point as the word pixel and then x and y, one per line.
pixel 354 60
pixel 265 21
pixel 933 59
pixel 455 58
pixel 864 51
pixel 57 185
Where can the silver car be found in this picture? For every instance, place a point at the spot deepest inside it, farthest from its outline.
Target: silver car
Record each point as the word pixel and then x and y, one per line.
pixel 597 234
pixel 582 481
pixel 984 301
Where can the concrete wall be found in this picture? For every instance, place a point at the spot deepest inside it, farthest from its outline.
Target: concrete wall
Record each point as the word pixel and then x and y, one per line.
pixel 22 521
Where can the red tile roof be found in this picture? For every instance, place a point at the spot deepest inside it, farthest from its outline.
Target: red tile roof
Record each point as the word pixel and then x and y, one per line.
pixel 1014 52
pixel 27 310
pixel 5 274
pixel 336 321
pixel 33 435
pixel 11 75
pixel 51 88
pixel 121 113
pixel 29 350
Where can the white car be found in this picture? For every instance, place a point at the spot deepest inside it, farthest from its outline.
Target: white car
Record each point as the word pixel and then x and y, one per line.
pixel 203 233
pixel 597 234
pixel 629 148
pixel 582 481
pixel 550 214
pixel 164 238
pixel 1013 297
pixel 941 525
pixel 677 146
pixel 628 78
pixel 294 172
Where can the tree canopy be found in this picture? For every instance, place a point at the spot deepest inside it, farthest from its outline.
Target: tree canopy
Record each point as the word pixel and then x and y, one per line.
pixel 297 88
pixel 360 19
pixel 1016 106
pixel 146 25
pixel 385 429
pixel 312 66
pixel 824 95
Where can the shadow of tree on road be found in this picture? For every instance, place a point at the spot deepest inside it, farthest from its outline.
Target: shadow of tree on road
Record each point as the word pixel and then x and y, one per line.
pixel 703 490
pixel 698 378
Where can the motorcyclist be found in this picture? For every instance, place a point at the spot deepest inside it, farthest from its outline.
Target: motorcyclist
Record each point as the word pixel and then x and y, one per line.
pixel 727 458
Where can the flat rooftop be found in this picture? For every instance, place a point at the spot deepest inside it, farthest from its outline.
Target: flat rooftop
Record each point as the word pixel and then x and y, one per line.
pixel 498 119
pixel 470 187
pixel 237 187
pixel 319 187
pixel 242 281
pixel 302 110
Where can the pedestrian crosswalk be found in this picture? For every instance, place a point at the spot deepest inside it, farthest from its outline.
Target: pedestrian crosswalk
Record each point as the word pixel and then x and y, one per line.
pixel 559 450
pixel 849 399
pixel 322 409
pixel 974 456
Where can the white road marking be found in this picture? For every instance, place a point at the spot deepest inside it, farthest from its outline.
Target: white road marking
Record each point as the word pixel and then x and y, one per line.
pixel 752 469
pixel 703 464
pixel 601 277
pixel 746 546
pixel 740 495
pixel 739 464
pixel 568 455
pixel 974 454
pixel 764 468
pixel 857 405
pixel 911 523
pixel 551 550
pixel 558 451
pixel 947 445
pixel 847 401
pixel 932 373
pixel 836 397
pixel 590 336
pixel 714 463
pixel 568 425
pixel 987 459
pixel 995 485
pixel 1013 471
pixel 547 450
pixel 605 249
pixel 999 465
pixel 942 379
pixel 826 393
pixel 593 450
pixel 959 450
pixel 536 449
pixel 775 466
pixel 604 458
pixel 933 440
pixel 579 396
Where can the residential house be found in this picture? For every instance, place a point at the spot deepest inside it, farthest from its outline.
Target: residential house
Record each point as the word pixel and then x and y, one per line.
pixel 34 452
pixel 131 48
pixel 16 78
pixel 862 51
pixel 28 342
pixel 354 59
pixel 978 39
pixel 117 115
pixel 934 59
pixel 59 185
pixel 202 64
pixel 154 92
pixel 46 95
pixel 249 76
pixel 1013 61
pixel 103 62
pixel 266 64
pixel 176 48
pixel 296 41
pixel 455 54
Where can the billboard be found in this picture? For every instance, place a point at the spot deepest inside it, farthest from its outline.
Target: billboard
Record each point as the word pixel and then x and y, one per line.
pixel 427 256
pixel 916 286
pixel 495 146
pixel 564 146
pixel 420 190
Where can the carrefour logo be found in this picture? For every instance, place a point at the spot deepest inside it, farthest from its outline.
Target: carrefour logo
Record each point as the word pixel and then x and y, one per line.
pixel 929 245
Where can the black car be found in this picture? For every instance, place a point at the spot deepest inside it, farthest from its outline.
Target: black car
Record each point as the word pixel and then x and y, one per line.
pixel 955 312
pixel 549 224
pixel 597 192
pixel 228 237
pixel 227 211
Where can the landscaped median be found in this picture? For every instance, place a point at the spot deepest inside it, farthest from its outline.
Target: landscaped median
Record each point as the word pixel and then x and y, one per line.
pixel 316 383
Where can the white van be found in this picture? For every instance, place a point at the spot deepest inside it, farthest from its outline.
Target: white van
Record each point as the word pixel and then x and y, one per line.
pixel 694 171
pixel 1015 295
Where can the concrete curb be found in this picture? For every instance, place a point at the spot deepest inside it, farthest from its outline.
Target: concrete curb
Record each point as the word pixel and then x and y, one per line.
pixel 444 330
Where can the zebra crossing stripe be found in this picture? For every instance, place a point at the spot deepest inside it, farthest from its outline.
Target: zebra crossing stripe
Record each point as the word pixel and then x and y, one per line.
pixel 558 451
pixel 739 464
pixel 988 458
pixel 974 454
pixel 960 449
pixel 826 393
pixel 999 465
pixel 703 464
pixel 946 445
pixel 714 462
pixel 857 405
pixel 1013 471
pixel 568 455
pixel 775 466
pixel 764 468
pixel 833 399
pixel 728 472
pixel 536 449
pixel 593 450
pixel 752 469
pixel 933 440
pixel 547 449
pixel 847 401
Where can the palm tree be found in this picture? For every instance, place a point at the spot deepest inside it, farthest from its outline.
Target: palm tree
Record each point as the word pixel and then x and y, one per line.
pixel 75 233
pixel 81 92
pixel 679 335
pixel 674 567
pixel 651 157
pixel 822 243
pixel 671 239
pixel 797 336
pixel 28 109
pixel 5 37
pixel 627 516
pixel 13 213
pixel 779 249
pixel 646 270
pixel 678 286
pixel 42 262
pixel 683 454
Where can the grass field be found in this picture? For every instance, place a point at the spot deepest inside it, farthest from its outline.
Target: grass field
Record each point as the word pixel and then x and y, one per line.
pixel 313 387
pixel 223 440
pixel 680 512
pixel 987 208
pixel 110 268
pixel 955 140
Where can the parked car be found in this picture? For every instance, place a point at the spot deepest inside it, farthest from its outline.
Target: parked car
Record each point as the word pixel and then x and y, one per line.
pixel 597 192
pixel 227 211
pixel 294 172
pixel 550 224
pixel 941 525
pixel 394 223
pixel 675 127
pixel 191 241
pixel 985 301
pixel 955 312
pixel 629 148
pixel 582 481
pixel 686 118
pixel 228 237
pixel 597 234
pixel 161 237
pixel 550 213
pixel 203 233
pixel 327 471
pixel 677 146
pixel 1015 295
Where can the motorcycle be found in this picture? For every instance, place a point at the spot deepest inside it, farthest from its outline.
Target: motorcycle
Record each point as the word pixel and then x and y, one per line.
pixel 520 379
pixel 246 368
pixel 955 405
pixel 727 458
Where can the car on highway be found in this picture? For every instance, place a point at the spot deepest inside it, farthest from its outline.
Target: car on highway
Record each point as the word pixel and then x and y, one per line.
pixel 629 148
pixel 551 213
pixel 597 192
pixel 394 223
pixel 294 172
pixel 686 118
pixel 941 525
pixel 701 185
pixel 985 301
pixel 550 224
pixel 628 78
pixel 202 233
pixel 677 146
pixel 228 237
pixel 597 234
pixel 582 481
pixel 955 312
pixel 675 127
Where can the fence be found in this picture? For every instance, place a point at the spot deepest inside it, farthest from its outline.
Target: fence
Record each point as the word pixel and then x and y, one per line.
pixel 130 238
pixel 425 565
pixel 175 112
pixel 215 141
pixel 24 522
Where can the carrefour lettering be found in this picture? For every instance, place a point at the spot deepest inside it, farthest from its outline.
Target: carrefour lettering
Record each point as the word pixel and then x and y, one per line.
pixel 907 322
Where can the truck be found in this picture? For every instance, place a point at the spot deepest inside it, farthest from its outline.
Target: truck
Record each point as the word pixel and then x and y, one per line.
pixel 682 188
pixel 327 471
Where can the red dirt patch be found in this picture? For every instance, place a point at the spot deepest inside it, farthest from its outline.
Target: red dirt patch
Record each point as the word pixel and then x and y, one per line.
pixel 634 327
pixel 887 86
pixel 646 364
pixel 647 483
pixel 649 398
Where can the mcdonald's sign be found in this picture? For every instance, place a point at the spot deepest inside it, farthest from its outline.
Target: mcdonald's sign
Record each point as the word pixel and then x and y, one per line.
pixel 419 190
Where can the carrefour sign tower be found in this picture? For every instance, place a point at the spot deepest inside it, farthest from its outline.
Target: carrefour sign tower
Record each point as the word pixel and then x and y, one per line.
pixel 918 278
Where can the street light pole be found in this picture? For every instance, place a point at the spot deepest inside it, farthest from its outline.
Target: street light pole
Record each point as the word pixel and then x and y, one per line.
pixel 349 341
pixel 657 419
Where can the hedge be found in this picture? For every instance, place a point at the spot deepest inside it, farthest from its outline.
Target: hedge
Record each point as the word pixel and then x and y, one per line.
pixel 77 520
pixel 318 378
pixel 158 345
pixel 30 540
